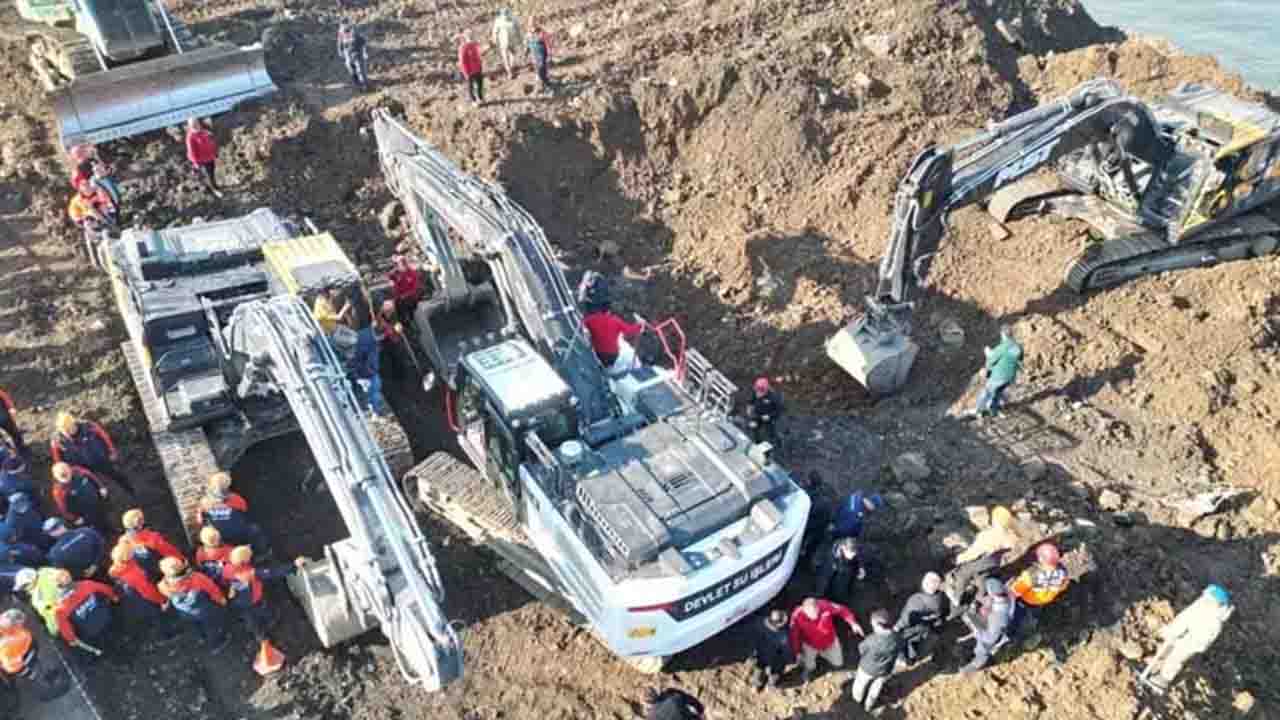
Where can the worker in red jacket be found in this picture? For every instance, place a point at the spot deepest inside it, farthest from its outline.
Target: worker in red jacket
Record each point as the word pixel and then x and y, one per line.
pixel 213 554
pixel 143 603
pixel 392 341
pixel 471 64
pixel 9 423
pixel 83 611
pixel 84 443
pixel 79 495
pixel 244 588
pixel 813 634
pixel 202 151
pixel 147 546
pixel 406 287
pixel 197 600
pixel 606 329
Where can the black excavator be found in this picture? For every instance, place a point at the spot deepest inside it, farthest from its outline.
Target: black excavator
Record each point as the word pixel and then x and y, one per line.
pixel 1189 181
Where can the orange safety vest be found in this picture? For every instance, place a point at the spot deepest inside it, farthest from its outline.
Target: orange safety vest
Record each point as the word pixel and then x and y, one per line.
pixel 15 650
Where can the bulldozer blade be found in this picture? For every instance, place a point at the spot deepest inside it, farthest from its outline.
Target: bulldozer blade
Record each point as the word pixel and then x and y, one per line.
pixel 1017 200
pixel 880 361
pixel 154 94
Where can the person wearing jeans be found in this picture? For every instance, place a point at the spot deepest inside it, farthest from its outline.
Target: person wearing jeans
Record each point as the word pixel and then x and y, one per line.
pixel 1003 363
pixel 471 65
pixel 813 634
pixel 878 653
pixel 202 151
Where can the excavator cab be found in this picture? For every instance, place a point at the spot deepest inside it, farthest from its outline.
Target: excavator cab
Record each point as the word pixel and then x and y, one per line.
pixel 312 264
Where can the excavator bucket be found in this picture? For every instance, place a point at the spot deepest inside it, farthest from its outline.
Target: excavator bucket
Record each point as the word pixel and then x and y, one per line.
pixel 879 361
pixel 154 94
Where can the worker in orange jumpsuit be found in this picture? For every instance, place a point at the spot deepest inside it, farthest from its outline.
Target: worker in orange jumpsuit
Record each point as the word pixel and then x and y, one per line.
pixel 83 612
pixel 213 554
pixel 17 651
pixel 1039 585
pixel 244 588
pixel 9 423
pixel 84 443
pixel 197 600
pixel 92 210
pixel 147 546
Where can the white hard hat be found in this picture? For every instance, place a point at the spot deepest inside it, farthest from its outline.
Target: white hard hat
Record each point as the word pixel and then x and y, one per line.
pixel 25 578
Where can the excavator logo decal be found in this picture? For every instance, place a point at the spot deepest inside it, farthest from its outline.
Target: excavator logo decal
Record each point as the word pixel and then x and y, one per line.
pixel 1025 164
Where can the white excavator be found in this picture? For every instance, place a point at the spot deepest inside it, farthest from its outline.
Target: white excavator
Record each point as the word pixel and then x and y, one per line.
pixel 627 498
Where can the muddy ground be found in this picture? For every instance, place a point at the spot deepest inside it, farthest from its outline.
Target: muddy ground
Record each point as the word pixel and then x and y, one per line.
pixel 736 160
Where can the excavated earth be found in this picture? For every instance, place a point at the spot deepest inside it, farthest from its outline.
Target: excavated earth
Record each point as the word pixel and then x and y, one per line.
pixel 732 163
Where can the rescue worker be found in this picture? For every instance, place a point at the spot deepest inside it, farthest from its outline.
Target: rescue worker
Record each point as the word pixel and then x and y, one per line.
pixel 197 600
pixel 9 423
pixel 764 412
pixel 878 654
pixel 924 614
pixel 244 588
pixel 148 546
pixel 84 612
pixel 364 371
pixel 143 603
pixel 773 650
pixel 1039 585
pixel 91 210
pixel 218 487
pixel 991 625
pixel 852 512
pixel 391 339
pixel 671 704
pixel 538 45
pixel 84 443
pixel 471 65
pixel 1190 634
pixel 839 565
pixel 16 552
pixel 15 477
pixel 202 152
pixel 820 512
pixel 103 179
pixel 983 557
pixel 406 288
pixel 1003 362
pixel 213 553
pixel 41 587
pixel 331 308
pixel 17 647
pixel 505 34
pixel 79 551
pixel 25 519
pixel 79 496
pixel 9 576
pixel 813 634
pixel 606 330
pixel 354 51
pixel 235 527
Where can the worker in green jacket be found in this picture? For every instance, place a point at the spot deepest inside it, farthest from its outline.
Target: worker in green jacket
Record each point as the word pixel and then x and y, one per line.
pixel 1003 362
pixel 41 585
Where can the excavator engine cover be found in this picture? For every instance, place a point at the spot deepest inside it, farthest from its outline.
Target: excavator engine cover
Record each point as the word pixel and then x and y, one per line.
pixel 141 97
pixel 880 361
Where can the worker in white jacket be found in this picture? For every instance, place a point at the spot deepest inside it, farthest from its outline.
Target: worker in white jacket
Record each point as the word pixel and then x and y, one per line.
pixel 506 35
pixel 1190 633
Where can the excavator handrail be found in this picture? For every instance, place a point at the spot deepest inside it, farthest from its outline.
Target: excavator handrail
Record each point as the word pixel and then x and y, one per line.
pixel 677 358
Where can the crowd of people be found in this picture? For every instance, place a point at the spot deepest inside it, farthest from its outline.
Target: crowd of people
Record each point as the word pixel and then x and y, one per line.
pixel 506 38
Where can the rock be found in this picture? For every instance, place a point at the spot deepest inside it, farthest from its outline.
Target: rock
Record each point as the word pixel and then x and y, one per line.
pixel 1131 650
pixel 1244 702
pixel 957 540
pixel 1035 469
pixel 979 515
pixel 1127 519
pixel 895 499
pixel 911 467
pixel 1009 33
pixel 913 488
pixel 577 29
pixel 389 216
pixel 1110 500
pixel 880 44
pixel 998 231
pixel 950 332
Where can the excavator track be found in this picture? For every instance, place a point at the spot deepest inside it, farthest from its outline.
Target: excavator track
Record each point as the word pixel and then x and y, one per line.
pixel 457 492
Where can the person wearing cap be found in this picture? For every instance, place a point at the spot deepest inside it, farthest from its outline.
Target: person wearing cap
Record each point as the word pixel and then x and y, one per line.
pixel 202 153
pixel 244 584
pixel 147 546
pixel 672 704
pixel 41 587
pixel 84 612
pixel 213 553
pixel 77 551
pixel 983 557
pixel 878 654
pixel 79 495
pixel 471 65
pixel 990 624
pixel 197 600
pixel 839 565
pixel 25 518
pixel 144 605
pixel 924 613
pixel 764 411
pixel 506 34
pixel 84 443
pixel 851 513
pixel 773 650
pixel 9 423
pixel 813 634
pixel 406 288
pixel 16 552
pixel 354 51
pixel 15 477
pixel 1190 634
pixel 1042 583
pixel 331 308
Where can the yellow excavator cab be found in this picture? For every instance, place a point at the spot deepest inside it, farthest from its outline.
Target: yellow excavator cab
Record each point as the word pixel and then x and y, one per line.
pixel 308 265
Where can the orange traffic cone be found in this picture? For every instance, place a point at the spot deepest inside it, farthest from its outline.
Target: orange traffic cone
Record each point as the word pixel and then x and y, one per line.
pixel 269 659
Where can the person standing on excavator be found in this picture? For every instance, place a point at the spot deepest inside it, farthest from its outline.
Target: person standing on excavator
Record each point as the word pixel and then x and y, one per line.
pixel 331 308
pixel 1003 362
pixel 763 413
pixel 406 288
pixel 606 330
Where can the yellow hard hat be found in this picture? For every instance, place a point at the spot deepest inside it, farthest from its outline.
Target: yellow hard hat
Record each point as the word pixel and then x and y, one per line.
pixel 241 555
pixel 210 537
pixel 173 566
pixel 219 483
pixel 133 519
pixel 61 577
pixel 61 472
pixel 1001 516
pixel 65 422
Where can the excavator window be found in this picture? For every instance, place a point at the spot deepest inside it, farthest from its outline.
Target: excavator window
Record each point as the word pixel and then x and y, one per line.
pixel 502 452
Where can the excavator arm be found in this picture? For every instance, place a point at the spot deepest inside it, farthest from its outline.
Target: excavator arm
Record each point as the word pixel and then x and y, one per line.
pixel 384 572
pixel 876 348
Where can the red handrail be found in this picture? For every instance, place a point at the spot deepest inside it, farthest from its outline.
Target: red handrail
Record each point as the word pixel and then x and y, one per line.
pixel 448 409
pixel 677 358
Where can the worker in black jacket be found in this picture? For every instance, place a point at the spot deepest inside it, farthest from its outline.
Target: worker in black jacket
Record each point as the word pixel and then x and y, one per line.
pixel 773 650
pixel 821 510
pixel 924 613
pixel 763 413
pixel 671 704
pixel 839 564
pixel 878 653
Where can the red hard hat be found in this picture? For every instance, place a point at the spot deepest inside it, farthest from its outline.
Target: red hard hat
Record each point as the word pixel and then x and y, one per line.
pixel 1047 554
pixel 762 384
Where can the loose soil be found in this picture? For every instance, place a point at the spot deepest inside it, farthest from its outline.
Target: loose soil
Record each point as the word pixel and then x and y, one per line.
pixel 733 164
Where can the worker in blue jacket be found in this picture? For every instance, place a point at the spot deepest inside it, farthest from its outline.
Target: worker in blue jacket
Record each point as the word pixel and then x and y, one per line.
pixel 851 513
pixel 15 552
pixel 15 477
pixel 79 551
pixel 27 521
